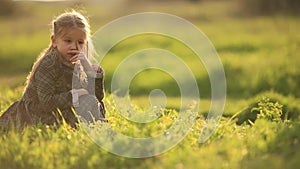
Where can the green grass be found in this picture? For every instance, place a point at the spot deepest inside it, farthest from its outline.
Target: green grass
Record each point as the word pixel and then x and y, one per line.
pixel 260 58
pixel 262 144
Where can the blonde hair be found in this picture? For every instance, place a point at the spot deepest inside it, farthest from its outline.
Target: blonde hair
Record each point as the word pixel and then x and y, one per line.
pixel 69 20
pixel 66 20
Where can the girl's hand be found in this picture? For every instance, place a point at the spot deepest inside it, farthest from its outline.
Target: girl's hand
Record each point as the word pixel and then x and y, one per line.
pixel 74 58
pixel 82 92
pixel 80 56
pixel 85 62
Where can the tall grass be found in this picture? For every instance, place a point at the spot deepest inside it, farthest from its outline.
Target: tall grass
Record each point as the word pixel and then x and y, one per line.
pixel 232 145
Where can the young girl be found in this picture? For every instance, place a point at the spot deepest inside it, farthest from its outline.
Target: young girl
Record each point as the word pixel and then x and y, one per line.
pixel 62 79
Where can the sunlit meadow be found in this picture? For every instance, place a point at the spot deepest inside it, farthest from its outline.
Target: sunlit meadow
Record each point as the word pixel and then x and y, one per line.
pixel 260 124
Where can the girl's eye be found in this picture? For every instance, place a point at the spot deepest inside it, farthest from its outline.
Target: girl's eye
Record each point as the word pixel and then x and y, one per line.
pixel 81 43
pixel 68 41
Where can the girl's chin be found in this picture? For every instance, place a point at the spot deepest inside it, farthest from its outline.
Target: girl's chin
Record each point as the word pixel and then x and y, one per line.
pixel 68 56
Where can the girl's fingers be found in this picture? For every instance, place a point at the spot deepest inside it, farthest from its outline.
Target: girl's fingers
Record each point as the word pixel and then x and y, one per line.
pixel 74 52
pixel 82 92
pixel 77 55
pixel 74 58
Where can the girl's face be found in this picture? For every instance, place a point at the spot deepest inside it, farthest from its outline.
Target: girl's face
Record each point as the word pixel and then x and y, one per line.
pixel 70 42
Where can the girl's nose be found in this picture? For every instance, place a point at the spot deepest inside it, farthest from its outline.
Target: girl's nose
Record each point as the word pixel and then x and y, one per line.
pixel 75 46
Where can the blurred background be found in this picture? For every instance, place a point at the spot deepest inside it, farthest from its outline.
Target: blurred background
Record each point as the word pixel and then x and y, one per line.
pixel 257 40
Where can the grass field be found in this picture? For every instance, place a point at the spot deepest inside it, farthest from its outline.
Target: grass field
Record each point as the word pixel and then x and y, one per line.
pixel 260 124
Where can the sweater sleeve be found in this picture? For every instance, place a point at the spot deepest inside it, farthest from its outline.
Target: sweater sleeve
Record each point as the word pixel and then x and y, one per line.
pixel 96 84
pixel 45 77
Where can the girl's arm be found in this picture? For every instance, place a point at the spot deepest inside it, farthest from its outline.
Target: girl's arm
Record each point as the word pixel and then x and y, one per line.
pixel 95 75
pixel 45 78
pixel 96 82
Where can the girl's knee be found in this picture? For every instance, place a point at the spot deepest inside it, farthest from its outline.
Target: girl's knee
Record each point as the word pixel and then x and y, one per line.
pixel 88 101
pixel 88 108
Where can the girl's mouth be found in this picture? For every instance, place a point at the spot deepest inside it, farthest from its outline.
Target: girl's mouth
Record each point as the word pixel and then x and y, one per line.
pixel 71 54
